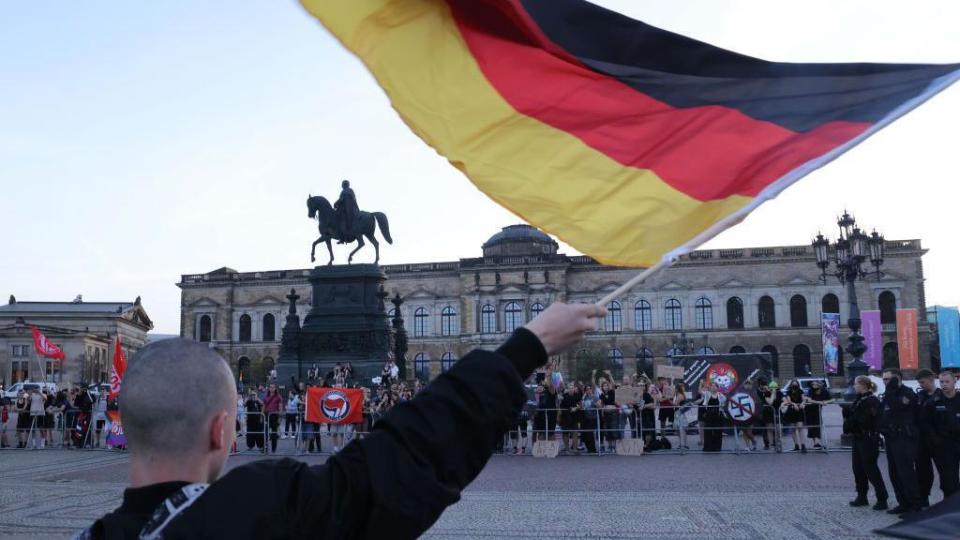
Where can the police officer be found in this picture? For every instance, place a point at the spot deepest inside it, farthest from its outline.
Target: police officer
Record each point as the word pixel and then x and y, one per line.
pixel 898 426
pixel 945 412
pixel 924 465
pixel 860 420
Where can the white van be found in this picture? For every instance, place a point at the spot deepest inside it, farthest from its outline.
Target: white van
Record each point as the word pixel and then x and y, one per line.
pixel 14 390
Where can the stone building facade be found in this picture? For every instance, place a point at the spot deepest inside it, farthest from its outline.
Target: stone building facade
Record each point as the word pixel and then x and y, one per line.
pixel 85 331
pixel 731 300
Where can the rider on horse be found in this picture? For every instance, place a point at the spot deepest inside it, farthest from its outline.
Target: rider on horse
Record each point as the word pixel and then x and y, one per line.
pixel 347 211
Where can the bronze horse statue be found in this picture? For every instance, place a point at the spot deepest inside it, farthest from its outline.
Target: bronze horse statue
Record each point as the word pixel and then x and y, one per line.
pixel 366 224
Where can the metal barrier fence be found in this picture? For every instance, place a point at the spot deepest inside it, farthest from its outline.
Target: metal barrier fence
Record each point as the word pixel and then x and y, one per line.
pixel 583 431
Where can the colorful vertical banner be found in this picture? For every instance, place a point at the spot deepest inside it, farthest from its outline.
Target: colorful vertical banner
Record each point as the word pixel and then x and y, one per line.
pixel 872 332
pixel 830 332
pixel 115 436
pixel 907 338
pixel 948 328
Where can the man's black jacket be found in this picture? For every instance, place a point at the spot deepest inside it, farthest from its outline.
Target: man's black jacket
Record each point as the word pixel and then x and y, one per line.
pixel 393 484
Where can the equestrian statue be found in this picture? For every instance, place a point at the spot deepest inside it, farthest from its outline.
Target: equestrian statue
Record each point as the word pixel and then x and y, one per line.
pixel 344 222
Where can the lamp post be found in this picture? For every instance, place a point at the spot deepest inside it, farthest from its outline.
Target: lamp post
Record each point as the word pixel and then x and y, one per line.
pixel 852 252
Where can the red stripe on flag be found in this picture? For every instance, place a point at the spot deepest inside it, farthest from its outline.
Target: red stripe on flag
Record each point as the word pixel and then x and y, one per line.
pixel 708 153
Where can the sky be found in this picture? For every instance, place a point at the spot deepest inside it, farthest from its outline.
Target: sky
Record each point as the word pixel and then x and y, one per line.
pixel 141 141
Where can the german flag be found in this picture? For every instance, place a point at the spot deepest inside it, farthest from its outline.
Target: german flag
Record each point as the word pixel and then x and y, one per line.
pixel 630 143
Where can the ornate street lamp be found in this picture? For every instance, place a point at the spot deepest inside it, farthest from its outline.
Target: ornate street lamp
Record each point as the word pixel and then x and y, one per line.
pixel 853 251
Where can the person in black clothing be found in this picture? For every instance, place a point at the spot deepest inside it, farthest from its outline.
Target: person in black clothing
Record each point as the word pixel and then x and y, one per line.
pixel 713 419
pixel 648 421
pixel 569 417
pixel 763 420
pixel 84 406
pixel 393 484
pixel 924 464
pixel 609 418
pixel 900 434
pixel 945 411
pixel 817 397
pixel 254 418
pixel 861 420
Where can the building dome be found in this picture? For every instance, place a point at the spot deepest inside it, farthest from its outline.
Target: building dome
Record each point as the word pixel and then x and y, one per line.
pixel 519 240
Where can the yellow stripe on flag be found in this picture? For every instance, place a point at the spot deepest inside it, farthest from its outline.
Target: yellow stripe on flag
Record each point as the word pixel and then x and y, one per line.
pixel 618 215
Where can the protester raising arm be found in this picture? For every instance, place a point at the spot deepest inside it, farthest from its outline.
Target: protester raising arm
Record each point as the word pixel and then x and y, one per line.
pixel 394 483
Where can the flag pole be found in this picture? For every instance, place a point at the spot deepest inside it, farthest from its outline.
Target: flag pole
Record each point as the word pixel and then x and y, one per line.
pixel 636 280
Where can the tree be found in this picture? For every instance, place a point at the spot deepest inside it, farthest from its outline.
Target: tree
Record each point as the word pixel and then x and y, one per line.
pixel 589 360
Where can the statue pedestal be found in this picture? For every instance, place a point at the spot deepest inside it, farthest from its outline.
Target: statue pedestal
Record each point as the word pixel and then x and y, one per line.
pixel 347 322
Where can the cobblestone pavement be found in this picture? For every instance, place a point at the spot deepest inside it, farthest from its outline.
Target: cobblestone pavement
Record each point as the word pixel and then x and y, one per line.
pixel 52 493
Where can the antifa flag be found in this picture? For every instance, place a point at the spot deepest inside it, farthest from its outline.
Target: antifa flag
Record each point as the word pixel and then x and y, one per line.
pixel 632 144
pixel 334 405
pixel 115 436
pixel 45 347
pixel 728 372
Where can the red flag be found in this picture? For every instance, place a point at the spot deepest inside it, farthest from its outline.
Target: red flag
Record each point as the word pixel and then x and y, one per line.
pixel 119 367
pixel 335 405
pixel 45 347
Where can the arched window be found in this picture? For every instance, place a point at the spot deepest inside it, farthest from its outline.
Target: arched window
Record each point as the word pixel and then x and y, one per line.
pixel 245 327
pixel 737 349
pixel 672 315
pixel 488 319
pixel 801 361
pixel 420 318
pixel 448 321
pixel 774 359
pixel 206 327
pixel 535 310
pixel 673 351
pixel 615 356
pixel 392 314
pixel 888 308
pixel 765 313
pixel 891 355
pixel 643 316
pixel 645 362
pixel 421 367
pixel 706 351
pixel 243 370
pixel 447 361
pixel 613 322
pixel 512 316
pixel 830 303
pixel 735 313
pixel 704 313
pixel 269 327
pixel 798 311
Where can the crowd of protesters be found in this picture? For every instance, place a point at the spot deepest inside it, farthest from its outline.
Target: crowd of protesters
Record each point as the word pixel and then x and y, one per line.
pixel 592 416
pixel 40 418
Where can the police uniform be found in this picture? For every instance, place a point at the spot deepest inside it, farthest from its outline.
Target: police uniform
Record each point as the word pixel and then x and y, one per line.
pixel 900 434
pixel 861 421
pixel 945 414
pixel 393 484
pixel 925 445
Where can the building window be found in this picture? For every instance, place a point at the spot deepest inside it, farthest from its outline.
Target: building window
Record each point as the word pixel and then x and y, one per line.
pixel 801 361
pixel 535 310
pixel 392 313
pixel 735 313
pixel 830 303
pixel 645 362
pixel 269 327
pixel 21 351
pixel 643 316
pixel 616 361
pixel 245 327
pixel 512 316
pixel 891 355
pixel 448 321
pixel 765 313
pixel 774 359
pixel 421 367
pixel 706 351
pixel 447 361
pixel 206 327
pixel 798 311
pixel 420 318
pixel 19 371
pixel 888 308
pixel 704 313
pixel 737 349
pixel 613 322
pixel 488 319
pixel 53 369
pixel 673 317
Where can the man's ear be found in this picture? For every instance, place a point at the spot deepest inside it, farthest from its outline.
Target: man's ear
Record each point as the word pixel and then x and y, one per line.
pixel 217 435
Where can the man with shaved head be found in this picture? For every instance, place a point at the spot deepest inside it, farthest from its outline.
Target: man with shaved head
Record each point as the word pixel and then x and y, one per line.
pixel 394 483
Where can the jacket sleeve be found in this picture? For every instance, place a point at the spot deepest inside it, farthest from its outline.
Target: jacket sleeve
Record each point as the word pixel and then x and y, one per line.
pixel 397 481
